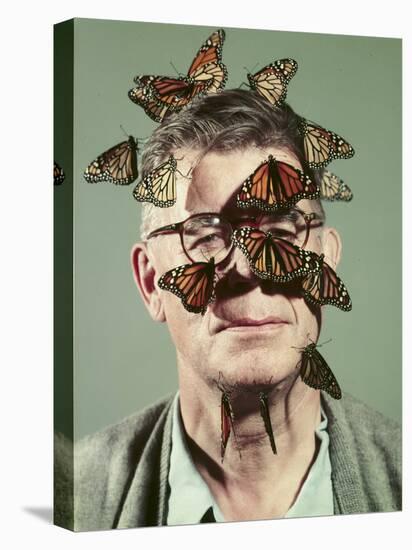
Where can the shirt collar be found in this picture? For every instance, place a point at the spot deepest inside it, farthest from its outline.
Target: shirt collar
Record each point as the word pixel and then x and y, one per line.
pixel 190 497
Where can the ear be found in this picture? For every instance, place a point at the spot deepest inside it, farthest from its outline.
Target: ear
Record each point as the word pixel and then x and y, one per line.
pixel 144 276
pixel 331 246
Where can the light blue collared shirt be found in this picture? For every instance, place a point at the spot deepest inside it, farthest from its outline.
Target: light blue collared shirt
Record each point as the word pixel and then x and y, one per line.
pixel 190 497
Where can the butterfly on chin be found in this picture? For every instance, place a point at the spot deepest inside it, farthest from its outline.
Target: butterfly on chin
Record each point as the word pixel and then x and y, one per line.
pixel 271 81
pixel 276 185
pixel 117 165
pixel 272 257
pixel 193 283
pixel 321 146
pixel 323 287
pixel 316 373
pixel 161 95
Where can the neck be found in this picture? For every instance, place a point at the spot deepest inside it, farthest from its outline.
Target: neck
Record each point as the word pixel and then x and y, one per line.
pixel 240 483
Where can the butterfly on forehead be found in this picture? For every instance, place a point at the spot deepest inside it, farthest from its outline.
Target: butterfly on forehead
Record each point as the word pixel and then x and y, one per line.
pixel 117 165
pixel 323 287
pixel 273 257
pixel 276 185
pixel 316 373
pixel 271 81
pixel 160 95
pixel 321 146
pixel 193 283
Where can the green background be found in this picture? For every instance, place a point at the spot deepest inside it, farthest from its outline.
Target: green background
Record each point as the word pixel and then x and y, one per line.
pixel 352 85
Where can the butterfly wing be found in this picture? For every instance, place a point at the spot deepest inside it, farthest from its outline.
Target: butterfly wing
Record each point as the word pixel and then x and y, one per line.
pixel 333 188
pixel 271 81
pixel 141 192
pixel 58 174
pixel 192 283
pixel 161 184
pixel 276 185
pixel 117 165
pixel 325 287
pixel 321 146
pixel 226 421
pixel 265 414
pixel 273 258
pixel 316 373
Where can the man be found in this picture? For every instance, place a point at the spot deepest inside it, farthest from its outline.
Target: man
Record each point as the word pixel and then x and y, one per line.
pixel 163 465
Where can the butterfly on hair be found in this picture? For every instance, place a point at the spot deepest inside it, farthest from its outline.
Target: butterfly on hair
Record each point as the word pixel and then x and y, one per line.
pixel 271 81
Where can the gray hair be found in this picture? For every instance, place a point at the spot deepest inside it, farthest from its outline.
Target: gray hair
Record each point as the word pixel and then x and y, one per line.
pixel 226 121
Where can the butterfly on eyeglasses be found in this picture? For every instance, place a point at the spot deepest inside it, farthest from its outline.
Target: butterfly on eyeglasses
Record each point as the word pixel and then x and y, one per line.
pixel 276 185
pixel 333 188
pixel 159 95
pixel 272 257
pixel 271 81
pixel 316 373
pixel 325 287
pixel 58 174
pixel 321 146
pixel 117 165
pixel 193 283
pixel 159 185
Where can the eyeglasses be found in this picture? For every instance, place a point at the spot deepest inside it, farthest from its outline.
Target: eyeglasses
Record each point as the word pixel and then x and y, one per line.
pixel 208 235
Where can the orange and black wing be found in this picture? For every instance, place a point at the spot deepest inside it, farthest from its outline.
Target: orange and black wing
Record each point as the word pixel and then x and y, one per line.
pixel 160 184
pixel 276 185
pixel 325 287
pixel 58 174
pixel 321 146
pixel 316 373
pixel 271 81
pixel 193 283
pixel 333 188
pixel 273 258
pixel 117 165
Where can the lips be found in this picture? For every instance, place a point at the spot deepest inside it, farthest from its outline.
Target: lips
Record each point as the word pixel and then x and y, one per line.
pixel 248 323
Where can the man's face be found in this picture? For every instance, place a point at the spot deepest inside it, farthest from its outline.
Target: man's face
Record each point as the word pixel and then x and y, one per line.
pixel 250 331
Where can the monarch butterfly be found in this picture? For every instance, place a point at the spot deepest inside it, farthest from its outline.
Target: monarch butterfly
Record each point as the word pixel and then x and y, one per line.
pixel 227 419
pixel 117 165
pixel 332 188
pixel 159 185
pixel 58 174
pixel 272 257
pixel 159 95
pixel 321 146
pixel 325 287
pixel 271 81
pixel 316 373
pixel 276 185
pixel 264 412
pixel 193 283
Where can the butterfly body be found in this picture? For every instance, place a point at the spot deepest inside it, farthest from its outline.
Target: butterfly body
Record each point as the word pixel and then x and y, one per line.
pixel 265 414
pixel 316 373
pixel 159 185
pixel 271 81
pixel 226 422
pixel 321 146
pixel 272 257
pixel 161 95
pixel 333 188
pixel 323 287
pixel 117 165
pixel 58 174
pixel 193 283
pixel 276 185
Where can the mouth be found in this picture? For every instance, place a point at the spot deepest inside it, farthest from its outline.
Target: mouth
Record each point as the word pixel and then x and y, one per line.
pixel 253 325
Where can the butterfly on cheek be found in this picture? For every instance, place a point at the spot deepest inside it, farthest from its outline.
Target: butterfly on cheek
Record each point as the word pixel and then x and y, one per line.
pixel 316 373
pixel 117 165
pixel 271 81
pixel 276 185
pixel 193 283
pixel 323 287
pixel 160 95
pixel 321 146
pixel 272 257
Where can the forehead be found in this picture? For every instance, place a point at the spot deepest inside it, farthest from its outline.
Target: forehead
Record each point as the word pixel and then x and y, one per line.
pixel 215 178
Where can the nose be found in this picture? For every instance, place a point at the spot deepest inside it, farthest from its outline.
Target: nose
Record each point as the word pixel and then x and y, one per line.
pixel 235 268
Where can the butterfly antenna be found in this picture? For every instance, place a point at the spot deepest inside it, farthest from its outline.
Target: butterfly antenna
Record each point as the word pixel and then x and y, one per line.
pixel 179 74
pixel 124 131
pixel 323 343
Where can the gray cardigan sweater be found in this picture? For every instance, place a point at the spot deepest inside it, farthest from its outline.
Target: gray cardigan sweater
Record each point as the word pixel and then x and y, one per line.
pixel 121 472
